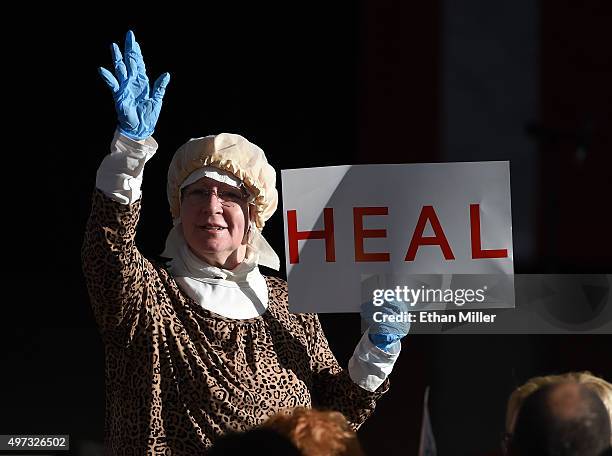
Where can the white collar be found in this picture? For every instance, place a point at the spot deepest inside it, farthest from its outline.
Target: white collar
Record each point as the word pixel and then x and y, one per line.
pixel 240 293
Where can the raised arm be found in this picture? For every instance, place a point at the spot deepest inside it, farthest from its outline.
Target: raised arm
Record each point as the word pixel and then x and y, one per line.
pixel 354 391
pixel 333 387
pixel 116 273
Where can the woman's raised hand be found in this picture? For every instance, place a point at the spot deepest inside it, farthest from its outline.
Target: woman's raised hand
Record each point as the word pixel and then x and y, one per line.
pixel 137 111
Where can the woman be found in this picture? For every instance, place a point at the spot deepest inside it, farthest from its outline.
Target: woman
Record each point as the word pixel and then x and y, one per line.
pixel 204 345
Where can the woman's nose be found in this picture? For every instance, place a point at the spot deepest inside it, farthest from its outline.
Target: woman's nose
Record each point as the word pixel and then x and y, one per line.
pixel 212 203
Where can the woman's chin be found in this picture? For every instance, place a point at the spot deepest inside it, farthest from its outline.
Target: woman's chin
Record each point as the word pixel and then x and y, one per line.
pixel 210 249
pixel 212 242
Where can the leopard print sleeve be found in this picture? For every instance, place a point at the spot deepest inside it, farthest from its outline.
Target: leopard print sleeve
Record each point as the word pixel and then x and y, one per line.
pixel 332 386
pixel 115 271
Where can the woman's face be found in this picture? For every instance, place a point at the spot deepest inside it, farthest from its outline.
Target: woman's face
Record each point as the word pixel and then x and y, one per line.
pixel 215 218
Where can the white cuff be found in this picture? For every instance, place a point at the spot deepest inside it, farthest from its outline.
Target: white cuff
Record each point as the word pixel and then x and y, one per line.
pixel 369 366
pixel 120 173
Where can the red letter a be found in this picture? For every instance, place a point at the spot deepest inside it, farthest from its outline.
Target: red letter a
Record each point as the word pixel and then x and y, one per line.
pixel 428 213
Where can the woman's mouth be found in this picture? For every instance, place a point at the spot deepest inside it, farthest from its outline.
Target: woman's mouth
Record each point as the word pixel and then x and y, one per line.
pixel 213 228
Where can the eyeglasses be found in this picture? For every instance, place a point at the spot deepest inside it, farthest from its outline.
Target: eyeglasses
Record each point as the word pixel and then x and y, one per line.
pixel 227 198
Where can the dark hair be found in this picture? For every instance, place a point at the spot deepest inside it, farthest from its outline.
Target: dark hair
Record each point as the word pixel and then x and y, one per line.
pixel 261 441
pixel 563 419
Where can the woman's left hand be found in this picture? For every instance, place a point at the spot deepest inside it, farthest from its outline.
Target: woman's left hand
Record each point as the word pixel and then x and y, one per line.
pixel 137 112
pixel 387 322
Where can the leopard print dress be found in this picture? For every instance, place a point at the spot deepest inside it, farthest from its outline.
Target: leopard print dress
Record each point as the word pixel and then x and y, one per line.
pixel 177 375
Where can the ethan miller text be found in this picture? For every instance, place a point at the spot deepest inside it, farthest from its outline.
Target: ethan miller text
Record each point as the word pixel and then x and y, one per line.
pixel 461 317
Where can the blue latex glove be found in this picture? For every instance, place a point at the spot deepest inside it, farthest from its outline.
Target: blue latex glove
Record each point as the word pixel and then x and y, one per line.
pixel 137 112
pixel 385 333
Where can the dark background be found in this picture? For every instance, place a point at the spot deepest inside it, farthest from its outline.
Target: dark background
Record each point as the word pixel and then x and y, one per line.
pixel 313 85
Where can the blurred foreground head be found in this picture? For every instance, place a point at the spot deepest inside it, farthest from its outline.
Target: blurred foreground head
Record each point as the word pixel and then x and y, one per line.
pixel 255 441
pixel 315 432
pixel 598 385
pixel 562 419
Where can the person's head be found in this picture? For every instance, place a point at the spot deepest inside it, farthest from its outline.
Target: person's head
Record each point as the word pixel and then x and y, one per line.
pixel 598 385
pixel 221 191
pixel 561 419
pixel 315 432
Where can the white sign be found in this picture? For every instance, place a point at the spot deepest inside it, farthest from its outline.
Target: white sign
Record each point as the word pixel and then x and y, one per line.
pixel 345 221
